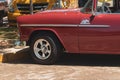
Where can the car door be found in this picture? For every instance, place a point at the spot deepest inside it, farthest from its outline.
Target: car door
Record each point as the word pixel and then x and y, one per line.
pixel 99 33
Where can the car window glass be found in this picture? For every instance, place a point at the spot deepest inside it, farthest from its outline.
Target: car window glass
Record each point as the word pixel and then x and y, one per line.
pixel 104 6
pixel 82 3
pixel 88 7
pixel 110 2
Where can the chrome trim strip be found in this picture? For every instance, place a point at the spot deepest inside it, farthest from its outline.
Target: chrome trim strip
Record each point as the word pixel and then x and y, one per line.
pixel 94 26
pixel 65 25
pixel 50 25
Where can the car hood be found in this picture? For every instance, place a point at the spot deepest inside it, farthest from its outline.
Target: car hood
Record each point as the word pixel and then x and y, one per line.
pixel 59 10
pixel 64 16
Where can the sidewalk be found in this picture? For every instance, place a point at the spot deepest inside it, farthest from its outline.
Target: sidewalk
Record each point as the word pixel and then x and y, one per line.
pixel 9 52
pixel 13 54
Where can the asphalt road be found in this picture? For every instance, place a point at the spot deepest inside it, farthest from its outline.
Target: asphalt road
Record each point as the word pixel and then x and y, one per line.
pixel 71 67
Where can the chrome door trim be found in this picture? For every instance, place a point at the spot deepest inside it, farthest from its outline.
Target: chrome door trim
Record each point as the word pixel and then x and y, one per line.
pixel 65 25
pixel 49 25
pixel 94 26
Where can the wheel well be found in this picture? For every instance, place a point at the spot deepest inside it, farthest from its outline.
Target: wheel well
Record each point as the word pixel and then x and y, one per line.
pixel 35 33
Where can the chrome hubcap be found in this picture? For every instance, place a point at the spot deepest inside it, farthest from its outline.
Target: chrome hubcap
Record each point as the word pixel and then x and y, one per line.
pixel 42 49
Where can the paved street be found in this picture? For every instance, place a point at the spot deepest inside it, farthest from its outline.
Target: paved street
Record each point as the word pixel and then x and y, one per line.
pixel 71 67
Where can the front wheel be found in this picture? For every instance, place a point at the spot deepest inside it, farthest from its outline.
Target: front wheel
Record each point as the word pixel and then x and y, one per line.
pixel 45 49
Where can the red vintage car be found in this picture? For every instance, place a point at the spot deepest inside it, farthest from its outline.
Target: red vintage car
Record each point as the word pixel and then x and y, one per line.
pixel 95 29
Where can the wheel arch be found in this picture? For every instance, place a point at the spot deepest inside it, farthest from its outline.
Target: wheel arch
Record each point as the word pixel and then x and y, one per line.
pixel 53 33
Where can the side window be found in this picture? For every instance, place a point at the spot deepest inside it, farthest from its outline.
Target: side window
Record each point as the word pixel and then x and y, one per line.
pixel 88 7
pixel 104 6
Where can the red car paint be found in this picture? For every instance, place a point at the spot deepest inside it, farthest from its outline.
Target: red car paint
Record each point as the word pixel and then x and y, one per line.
pixel 78 32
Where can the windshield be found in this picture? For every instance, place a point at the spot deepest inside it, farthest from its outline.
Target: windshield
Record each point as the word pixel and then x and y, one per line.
pixel 82 2
pixel 87 7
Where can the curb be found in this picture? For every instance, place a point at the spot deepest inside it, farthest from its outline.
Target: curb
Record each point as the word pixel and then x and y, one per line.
pixel 14 54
